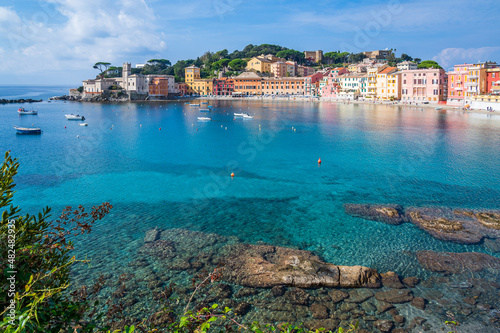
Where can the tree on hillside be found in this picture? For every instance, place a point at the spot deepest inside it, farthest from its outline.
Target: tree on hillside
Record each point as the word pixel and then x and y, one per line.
pixel 237 64
pixel 292 55
pixel 218 65
pixel 417 60
pixel 429 64
pixel 405 57
pixel 102 66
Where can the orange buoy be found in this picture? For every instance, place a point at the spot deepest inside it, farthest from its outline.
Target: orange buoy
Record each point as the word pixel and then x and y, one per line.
pixel 160 128
pixel 232 174
pixel 319 161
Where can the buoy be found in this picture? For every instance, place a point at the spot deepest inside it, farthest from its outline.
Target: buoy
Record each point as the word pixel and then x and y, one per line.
pixel 160 128
pixel 64 126
pixel 141 125
pixel 319 161
pixel 78 136
pixel 232 174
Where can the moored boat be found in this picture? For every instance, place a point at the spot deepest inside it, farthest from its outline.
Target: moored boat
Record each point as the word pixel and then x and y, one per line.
pixel 204 118
pixel 204 103
pixel 28 130
pixel 239 114
pixel 439 108
pixel 83 124
pixel 194 104
pixel 247 116
pixel 204 110
pixel 74 117
pixel 24 111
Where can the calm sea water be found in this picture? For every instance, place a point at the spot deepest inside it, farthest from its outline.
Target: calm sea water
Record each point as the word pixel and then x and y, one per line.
pixel 159 166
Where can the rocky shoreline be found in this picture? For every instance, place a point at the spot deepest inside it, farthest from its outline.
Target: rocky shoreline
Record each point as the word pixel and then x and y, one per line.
pixel 274 284
pixel 21 100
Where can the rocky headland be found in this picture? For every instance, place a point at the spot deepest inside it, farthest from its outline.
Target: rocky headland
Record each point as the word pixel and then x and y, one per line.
pixel 21 100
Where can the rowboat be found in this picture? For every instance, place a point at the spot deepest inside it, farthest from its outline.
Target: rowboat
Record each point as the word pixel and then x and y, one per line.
pixel 204 118
pixel 204 110
pixel 28 130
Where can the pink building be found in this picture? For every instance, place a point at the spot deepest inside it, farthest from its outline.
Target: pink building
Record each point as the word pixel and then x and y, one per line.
pixel 312 82
pixel 457 84
pixel 330 87
pixel 424 85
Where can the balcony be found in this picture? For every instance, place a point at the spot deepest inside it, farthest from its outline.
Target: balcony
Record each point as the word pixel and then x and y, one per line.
pixel 473 77
pixel 458 88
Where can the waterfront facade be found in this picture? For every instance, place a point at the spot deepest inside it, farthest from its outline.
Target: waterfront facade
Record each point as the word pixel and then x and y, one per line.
pixel 158 87
pixel 223 86
pixel 388 84
pixel 247 83
pixel 493 81
pixel 428 85
pixel 457 84
pixel 283 86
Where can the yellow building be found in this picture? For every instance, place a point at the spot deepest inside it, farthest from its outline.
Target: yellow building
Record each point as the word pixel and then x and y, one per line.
pixel 388 84
pixel 259 64
pixel 195 84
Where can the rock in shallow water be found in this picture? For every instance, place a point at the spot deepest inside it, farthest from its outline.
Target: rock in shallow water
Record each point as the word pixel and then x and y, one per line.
pixel 395 296
pixel 456 263
pixel 390 214
pixel 265 266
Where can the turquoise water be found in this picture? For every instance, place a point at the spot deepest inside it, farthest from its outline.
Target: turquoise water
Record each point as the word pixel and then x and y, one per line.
pixel 179 176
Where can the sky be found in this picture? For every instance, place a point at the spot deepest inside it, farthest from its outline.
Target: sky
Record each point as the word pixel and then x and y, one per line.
pixel 58 41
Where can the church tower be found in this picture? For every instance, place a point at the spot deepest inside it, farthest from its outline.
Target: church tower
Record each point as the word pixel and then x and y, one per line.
pixel 126 72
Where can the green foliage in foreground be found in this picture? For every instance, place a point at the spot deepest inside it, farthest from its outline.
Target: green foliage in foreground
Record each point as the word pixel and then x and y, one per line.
pixel 41 268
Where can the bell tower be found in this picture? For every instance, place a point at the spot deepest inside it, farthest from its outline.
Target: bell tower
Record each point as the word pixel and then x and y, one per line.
pixel 126 71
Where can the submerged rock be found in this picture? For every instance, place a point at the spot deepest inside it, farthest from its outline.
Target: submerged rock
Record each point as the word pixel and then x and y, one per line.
pixel 492 244
pixel 456 263
pixel 265 266
pixel 395 296
pixel 152 235
pixel 160 248
pixel 390 214
pixel 391 280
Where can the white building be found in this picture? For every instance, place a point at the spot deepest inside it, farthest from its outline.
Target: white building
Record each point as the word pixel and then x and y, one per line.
pixel 407 65
pixel 353 85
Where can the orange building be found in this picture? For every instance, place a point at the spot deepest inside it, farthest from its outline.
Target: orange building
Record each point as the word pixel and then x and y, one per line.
pixel 247 83
pixel 158 86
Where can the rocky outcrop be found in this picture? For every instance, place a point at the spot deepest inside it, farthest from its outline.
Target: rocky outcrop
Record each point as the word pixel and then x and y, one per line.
pixel 459 225
pixel 390 214
pixel 17 101
pixel 267 266
pixel 457 263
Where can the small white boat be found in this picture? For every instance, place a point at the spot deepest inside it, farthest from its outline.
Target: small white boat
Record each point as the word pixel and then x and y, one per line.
pixel 74 117
pixel 28 130
pixel 194 104
pixel 239 114
pixel 204 118
pixel 247 116
pixel 210 106
pixel 24 111
pixel 83 124
pixel 439 108
pixel 204 110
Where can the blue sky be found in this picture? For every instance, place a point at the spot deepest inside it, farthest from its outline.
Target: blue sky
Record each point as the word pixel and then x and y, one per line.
pixel 58 41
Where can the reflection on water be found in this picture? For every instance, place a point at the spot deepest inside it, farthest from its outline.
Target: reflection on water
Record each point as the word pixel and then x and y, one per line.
pixel 160 167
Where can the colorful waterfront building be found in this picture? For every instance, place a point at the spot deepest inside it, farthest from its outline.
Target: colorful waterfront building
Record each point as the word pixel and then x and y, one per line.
pixel 158 87
pixel 493 81
pixel 352 85
pixel 329 85
pixel 197 85
pixel 181 88
pixel 223 86
pixel 305 70
pixel 247 83
pixel 372 72
pixel 311 83
pixel 283 86
pixel 457 88
pixel 388 84
pixel 430 85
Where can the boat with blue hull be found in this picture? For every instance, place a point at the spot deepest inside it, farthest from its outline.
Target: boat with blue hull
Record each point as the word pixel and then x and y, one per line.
pixel 28 130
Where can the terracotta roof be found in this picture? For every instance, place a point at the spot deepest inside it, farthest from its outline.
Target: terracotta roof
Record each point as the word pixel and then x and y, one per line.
pixel 388 70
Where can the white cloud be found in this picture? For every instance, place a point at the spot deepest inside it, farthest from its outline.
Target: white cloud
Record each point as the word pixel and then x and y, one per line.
pixel 93 30
pixel 452 56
